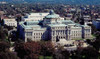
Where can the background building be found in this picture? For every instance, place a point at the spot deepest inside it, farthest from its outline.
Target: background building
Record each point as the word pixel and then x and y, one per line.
pixel 96 23
pixel 10 22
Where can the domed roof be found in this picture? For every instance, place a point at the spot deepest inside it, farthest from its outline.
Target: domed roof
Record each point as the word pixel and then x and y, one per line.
pixel 52 15
pixel 51 12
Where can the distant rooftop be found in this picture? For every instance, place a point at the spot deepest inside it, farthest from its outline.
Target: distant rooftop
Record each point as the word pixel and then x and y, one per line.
pixel 39 14
pixel 98 19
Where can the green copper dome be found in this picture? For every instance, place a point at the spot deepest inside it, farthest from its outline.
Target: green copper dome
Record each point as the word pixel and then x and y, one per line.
pixel 52 14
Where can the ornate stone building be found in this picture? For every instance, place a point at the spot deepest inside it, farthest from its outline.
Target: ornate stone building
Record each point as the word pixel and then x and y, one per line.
pixel 53 27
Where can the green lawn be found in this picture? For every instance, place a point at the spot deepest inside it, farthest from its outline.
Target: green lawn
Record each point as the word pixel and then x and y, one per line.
pixel 46 57
pixel 77 39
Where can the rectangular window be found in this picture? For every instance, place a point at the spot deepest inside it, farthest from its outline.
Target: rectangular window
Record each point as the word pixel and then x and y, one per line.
pixel 53 32
pixel 87 30
pixel 69 31
pixel 29 33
